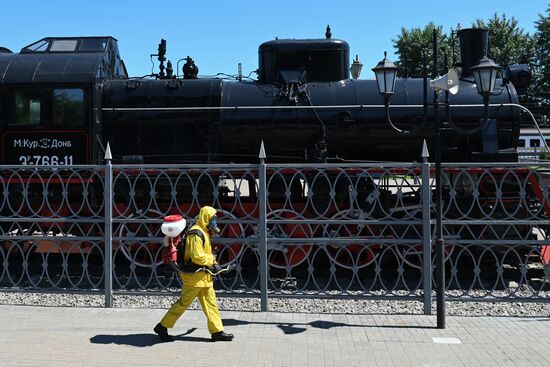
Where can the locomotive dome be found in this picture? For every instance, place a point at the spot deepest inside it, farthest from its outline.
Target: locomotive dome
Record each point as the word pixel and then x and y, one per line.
pixel 309 60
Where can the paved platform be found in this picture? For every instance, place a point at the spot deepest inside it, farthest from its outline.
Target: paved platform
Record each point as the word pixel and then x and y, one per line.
pixel 47 336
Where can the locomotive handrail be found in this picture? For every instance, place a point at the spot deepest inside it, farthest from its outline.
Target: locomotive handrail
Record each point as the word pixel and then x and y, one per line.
pixel 356 106
pixel 235 108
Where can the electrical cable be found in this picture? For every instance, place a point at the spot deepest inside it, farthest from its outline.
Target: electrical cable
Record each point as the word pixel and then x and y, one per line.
pixel 325 130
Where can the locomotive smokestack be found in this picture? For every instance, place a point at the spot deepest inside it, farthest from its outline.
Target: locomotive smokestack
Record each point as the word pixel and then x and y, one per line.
pixel 473 47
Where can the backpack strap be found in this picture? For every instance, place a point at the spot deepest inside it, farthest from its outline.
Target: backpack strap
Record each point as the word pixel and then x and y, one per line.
pixel 190 232
pixel 197 232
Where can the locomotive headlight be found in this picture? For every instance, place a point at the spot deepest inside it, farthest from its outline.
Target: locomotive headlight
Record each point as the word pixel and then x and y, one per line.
pixel 385 72
pixel 485 75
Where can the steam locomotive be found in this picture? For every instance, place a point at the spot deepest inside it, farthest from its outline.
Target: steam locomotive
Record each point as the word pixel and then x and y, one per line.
pixel 63 99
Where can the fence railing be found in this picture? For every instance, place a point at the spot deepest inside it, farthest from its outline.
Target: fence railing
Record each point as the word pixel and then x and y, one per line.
pixel 309 230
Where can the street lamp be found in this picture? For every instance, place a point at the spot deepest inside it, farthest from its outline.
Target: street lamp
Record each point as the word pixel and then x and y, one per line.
pixel 385 72
pixel 485 73
pixel 485 76
pixel 356 67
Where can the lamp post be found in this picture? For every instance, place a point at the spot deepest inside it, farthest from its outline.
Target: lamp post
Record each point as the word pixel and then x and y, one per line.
pixel 439 242
pixel 485 73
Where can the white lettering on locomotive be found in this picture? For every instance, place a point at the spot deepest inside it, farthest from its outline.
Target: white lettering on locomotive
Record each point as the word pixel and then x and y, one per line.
pixel 43 143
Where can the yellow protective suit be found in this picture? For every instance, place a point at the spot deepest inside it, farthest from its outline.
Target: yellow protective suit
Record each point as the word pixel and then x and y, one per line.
pixel 198 284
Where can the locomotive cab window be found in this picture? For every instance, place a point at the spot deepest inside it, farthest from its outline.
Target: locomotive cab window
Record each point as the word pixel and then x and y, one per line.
pixel 63 45
pixel 68 107
pixel 39 46
pixel 55 107
pixel 93 45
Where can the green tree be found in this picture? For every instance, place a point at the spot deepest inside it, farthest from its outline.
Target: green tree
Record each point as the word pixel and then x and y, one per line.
pixel 410 45
pixel 540 91
pixel 508 44
pixel 537 98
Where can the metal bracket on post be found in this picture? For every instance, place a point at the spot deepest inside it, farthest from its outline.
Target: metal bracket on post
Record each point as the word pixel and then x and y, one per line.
pixel 108 192
pixel 262 228
pixel 427 268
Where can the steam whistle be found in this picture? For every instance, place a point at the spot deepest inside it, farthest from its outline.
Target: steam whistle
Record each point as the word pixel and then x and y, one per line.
pixel 161 56
pixel 169 70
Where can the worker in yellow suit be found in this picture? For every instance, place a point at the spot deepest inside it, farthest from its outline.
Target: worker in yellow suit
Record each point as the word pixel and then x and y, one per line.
pixel 197 284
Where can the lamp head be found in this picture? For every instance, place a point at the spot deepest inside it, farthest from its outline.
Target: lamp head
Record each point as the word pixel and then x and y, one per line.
pixel 356 68
pixel 385 72
pixel 485 76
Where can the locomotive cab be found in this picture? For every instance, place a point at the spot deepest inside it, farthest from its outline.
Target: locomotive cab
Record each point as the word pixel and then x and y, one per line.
pixel 48 99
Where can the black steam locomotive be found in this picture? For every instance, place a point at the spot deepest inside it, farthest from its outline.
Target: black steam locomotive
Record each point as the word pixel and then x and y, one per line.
pixel 63 99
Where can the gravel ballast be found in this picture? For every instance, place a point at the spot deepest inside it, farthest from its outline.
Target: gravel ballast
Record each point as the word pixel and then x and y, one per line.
pixel 277 304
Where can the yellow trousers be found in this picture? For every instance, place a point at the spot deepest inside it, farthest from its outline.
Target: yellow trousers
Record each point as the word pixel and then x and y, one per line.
pixel 207 299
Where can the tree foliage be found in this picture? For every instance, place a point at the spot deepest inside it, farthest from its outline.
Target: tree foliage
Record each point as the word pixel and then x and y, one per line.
pixel 540 90
pixel 412 43
pixel 537 98
pixel 508 44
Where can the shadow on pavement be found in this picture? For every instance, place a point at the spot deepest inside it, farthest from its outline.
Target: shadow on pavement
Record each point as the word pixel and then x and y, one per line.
pixel 143 340
pixel 294 327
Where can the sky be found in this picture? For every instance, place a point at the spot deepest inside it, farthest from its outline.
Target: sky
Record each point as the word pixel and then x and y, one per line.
pixel 219 35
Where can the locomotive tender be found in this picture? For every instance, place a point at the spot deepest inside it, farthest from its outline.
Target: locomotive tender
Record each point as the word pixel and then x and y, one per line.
pixel 63 99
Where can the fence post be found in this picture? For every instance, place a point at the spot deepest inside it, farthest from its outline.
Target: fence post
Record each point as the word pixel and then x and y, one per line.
pixel 262 229
pixel 108 192
pixel 426 231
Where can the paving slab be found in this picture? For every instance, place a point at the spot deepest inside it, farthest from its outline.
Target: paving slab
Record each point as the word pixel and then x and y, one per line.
pixel 63 336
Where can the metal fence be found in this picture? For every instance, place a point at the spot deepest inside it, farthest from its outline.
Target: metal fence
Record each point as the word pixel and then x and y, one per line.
pixel 321 230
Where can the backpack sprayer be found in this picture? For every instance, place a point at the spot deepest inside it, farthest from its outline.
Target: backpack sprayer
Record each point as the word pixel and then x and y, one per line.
pixel 174 228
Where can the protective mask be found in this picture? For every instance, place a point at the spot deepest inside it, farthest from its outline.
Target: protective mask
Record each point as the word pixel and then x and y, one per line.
pixel 213 226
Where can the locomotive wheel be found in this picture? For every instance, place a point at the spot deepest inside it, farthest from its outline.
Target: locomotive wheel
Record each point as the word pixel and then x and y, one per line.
pixel 144 255
pixel 228 254
pixel 355 254
pixel 288 254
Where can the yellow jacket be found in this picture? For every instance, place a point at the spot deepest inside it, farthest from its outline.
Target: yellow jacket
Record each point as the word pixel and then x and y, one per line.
pixel 199 253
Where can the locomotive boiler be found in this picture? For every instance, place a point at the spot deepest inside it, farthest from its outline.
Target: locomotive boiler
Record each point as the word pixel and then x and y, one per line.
pixel 63 99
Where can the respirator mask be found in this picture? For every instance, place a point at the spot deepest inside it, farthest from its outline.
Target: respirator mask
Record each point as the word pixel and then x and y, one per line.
pixel 213 226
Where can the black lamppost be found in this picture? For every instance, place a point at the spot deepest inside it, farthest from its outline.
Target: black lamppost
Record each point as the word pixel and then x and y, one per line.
pixel 485 73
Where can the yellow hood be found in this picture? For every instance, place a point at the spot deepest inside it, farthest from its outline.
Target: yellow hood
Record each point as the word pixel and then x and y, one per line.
pixel 205 215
